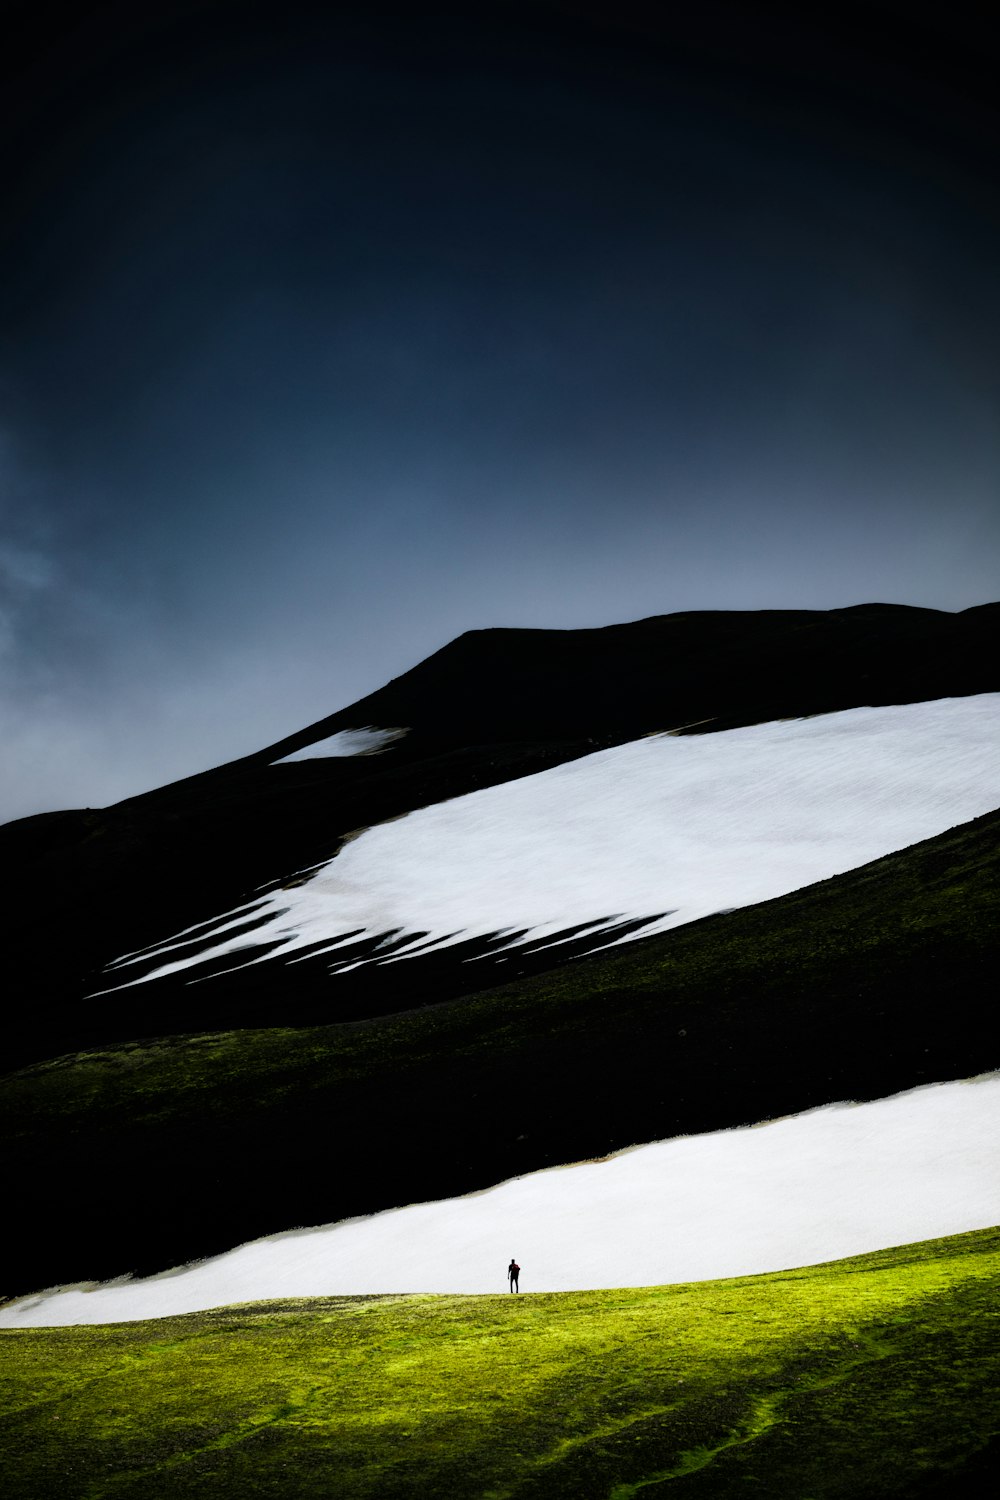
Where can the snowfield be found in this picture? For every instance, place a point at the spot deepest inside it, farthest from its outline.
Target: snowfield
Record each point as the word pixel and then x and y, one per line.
pixel 833 1182
pixel 669 828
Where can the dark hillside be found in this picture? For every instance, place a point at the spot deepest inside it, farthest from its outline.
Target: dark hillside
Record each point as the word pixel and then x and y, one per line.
pixel 82 887
pixel 158 1152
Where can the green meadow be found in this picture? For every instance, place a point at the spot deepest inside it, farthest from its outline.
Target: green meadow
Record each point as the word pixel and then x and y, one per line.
pixel 876 1376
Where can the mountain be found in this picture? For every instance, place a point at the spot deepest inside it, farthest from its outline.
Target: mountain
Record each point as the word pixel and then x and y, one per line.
pixel 169 1119
pixel 83 887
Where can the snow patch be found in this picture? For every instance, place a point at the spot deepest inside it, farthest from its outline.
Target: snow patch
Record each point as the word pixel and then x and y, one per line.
pixel 367 741
pixel 833 1182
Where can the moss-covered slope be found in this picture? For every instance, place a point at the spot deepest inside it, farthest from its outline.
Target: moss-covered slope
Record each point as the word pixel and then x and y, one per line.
pixel 872 1377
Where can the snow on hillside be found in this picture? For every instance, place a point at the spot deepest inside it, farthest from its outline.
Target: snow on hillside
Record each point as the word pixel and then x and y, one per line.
pixel 834 1182
pixel 367 741
pixel 668 827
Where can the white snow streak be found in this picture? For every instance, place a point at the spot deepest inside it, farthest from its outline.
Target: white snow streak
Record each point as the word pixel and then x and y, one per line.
pixel 365 741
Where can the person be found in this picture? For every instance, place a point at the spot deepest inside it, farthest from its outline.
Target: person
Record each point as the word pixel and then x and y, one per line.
pixel 513 1272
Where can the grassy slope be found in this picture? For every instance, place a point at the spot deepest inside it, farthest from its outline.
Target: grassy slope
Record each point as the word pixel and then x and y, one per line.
pixel 876 1376
pixel 166 1150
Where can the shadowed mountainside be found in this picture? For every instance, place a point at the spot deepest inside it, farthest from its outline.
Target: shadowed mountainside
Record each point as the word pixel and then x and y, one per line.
pixel 181 1146
pixel 82 887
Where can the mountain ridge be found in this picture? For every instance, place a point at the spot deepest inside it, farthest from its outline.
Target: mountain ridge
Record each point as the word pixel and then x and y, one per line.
pixel 117 879
pixel 515 654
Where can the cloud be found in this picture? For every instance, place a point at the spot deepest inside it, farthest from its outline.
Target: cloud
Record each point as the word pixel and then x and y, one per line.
pixel 28 568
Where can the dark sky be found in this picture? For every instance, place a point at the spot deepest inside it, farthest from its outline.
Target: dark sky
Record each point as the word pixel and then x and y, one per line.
pixel 329 332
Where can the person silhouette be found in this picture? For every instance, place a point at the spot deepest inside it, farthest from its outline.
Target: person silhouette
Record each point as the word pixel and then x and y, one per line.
pixel 513 1272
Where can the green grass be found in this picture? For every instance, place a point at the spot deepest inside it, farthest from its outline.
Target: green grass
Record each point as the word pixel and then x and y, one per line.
pixel 872 1377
